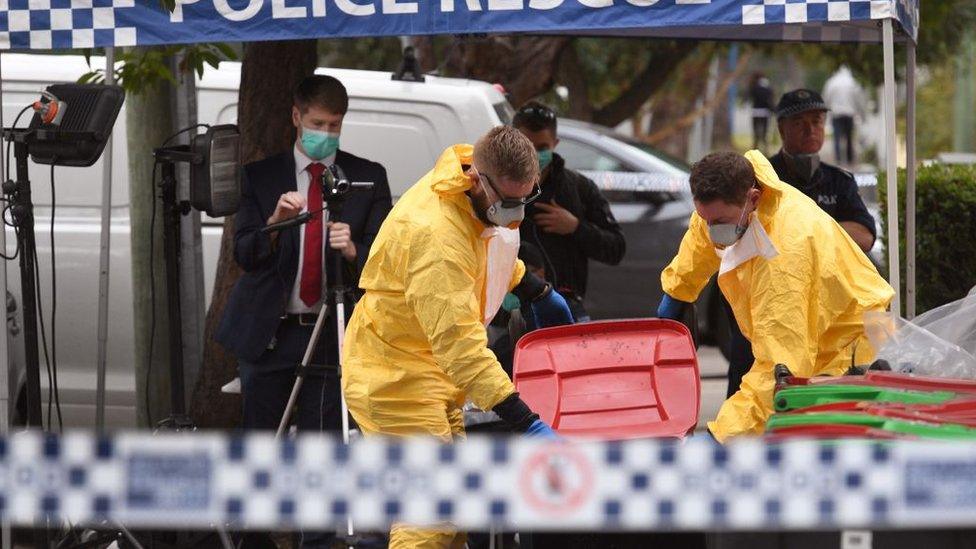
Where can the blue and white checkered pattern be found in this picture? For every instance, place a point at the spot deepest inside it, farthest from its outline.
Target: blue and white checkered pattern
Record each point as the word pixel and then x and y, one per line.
pixel 764 12
pixel 206 480
pixel 820 20
pixel 63 24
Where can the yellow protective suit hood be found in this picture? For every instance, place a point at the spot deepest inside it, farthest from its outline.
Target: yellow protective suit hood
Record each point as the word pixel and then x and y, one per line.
pixel 803 308
pixel 416 346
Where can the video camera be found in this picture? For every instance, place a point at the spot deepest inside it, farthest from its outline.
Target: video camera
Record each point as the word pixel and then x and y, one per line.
pixel 335 187
pixel 334 184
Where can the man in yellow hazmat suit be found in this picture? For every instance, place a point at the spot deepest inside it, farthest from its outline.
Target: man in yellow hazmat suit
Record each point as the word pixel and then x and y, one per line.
pixel 797 283
pixel 416 346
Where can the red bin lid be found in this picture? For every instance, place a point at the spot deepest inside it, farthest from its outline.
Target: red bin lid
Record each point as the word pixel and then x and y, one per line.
pixel 611 380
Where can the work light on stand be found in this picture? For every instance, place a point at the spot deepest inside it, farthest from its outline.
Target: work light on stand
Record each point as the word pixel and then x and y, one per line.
pixel 70 127
pixel 215 188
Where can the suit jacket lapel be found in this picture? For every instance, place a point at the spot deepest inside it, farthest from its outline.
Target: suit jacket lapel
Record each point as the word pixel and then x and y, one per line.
pixel 287 182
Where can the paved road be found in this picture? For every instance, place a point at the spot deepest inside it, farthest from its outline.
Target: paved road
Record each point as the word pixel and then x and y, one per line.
pixel 713 368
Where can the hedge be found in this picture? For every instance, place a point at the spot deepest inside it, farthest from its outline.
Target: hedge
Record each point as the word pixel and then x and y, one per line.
pixel 945 232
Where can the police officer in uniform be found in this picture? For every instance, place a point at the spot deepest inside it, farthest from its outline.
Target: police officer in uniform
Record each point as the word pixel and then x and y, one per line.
pixel 801 117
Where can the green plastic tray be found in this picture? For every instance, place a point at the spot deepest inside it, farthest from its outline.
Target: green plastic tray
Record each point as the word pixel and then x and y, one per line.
pixel 794 398
pixel 926 430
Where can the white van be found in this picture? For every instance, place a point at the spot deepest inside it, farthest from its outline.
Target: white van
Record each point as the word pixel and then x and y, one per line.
pixel 403 125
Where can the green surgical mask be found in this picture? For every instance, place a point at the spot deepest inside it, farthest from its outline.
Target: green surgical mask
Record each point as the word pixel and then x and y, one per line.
pixel 319 144
pixel 545 158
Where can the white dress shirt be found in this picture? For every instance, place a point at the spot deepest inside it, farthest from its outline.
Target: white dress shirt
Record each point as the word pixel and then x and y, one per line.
pixel 302 178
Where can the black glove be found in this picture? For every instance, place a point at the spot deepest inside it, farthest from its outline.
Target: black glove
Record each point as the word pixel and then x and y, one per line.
pixel 515 412
pixel 530 288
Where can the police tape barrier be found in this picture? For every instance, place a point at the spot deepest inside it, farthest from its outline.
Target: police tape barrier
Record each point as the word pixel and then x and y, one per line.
pixel 203 480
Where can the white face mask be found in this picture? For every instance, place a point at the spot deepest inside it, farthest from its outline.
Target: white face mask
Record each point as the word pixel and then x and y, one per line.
pixel 754 243
pixel 727 234
pixel 502 212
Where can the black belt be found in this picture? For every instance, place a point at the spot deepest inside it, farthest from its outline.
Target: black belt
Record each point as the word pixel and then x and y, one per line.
pixel 301 319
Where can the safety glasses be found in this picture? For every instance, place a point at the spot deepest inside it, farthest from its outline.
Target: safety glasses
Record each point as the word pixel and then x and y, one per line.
pixel 512 202
pixel 537 112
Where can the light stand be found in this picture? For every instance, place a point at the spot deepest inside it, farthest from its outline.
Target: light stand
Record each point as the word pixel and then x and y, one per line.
pixel 22 208
pixel 58 136
pixel 214 158
pixel 214 186
pixel 70 127
pixel 178 419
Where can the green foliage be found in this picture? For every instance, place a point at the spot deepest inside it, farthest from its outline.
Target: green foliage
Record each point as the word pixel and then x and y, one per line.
pixel 945 225
pixel 144 68
pixel 375 54
pixel 610 64
pixel 934 112
pixel 942 23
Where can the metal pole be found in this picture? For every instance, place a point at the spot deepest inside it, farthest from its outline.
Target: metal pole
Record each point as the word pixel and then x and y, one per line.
pixel 910 186
pixel 891 163
pixel 733 93
pixel 104 259
pixel 192 294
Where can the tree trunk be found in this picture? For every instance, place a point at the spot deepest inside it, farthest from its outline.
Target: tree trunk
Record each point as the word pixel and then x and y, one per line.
pixel 575 80
pixel 659 68
pixel 426 53
pixel 148 123
pixel 269 73
pixel 677 99
pixel 525 65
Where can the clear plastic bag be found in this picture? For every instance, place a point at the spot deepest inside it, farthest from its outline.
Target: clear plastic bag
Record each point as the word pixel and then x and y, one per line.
pixel 940 343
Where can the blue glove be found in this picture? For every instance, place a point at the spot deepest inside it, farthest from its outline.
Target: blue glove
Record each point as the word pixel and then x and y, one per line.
pixel 671 308
pixel 551 310
pixel 539 429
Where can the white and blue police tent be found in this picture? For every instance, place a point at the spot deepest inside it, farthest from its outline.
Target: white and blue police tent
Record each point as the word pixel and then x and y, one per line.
pixel 210 479
pixel 65 24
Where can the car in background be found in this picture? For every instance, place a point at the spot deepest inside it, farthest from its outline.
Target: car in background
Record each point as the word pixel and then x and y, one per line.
pixel 649 195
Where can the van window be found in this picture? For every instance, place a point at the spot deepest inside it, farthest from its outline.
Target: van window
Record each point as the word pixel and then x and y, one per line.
pixel 582 157
pixel 505 112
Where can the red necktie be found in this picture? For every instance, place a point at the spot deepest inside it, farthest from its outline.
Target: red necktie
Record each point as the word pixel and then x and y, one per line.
pixel 311 285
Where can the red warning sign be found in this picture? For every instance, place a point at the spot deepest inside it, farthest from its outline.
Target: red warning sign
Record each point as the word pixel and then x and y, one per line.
pixel 557 479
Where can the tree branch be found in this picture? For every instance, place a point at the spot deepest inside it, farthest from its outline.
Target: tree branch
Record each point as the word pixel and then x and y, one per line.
pixel 706 107
pixel 645 84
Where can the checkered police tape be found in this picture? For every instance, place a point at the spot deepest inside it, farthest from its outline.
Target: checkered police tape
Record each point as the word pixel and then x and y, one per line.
pixel 208 480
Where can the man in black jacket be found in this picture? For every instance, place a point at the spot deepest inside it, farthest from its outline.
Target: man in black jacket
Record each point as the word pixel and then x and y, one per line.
pixel 571 222
pixel 271 312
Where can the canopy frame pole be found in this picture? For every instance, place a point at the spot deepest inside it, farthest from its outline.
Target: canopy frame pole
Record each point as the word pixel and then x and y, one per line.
pixel 891 163
pixel 911 170
pixel 104 261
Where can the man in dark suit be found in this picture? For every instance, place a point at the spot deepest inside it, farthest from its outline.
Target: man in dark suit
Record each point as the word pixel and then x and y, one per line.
pixel 271 312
